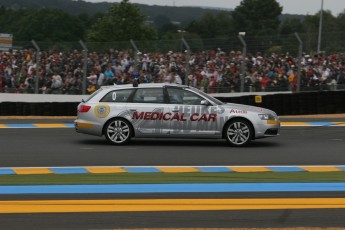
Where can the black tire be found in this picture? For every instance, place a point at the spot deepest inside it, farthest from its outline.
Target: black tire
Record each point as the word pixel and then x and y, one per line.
pixel 118 131
pixel 238 133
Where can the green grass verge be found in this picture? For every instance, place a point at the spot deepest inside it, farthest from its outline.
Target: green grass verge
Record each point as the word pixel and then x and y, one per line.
pixel 146 178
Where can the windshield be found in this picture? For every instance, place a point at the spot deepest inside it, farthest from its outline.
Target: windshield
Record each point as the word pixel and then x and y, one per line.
pixel 214 100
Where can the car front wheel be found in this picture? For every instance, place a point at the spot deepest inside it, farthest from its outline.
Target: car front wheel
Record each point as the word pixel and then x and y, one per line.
pixel 238 133
pixel 118 131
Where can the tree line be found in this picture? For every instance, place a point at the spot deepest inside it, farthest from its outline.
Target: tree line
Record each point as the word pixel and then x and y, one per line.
pixel 125 21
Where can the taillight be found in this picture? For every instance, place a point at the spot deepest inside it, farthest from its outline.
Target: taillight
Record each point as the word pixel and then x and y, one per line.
pixel 84 108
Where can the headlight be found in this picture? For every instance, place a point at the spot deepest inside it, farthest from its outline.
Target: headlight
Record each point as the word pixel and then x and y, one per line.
pixel 266 117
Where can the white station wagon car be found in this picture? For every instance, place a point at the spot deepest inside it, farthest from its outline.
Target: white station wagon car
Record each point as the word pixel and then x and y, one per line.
pixel 121 112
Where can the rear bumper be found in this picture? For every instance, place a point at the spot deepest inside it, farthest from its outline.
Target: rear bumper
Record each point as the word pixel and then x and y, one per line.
pixel 87 127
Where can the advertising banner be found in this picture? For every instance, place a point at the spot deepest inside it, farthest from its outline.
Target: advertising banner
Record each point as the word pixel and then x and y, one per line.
pixel 5 41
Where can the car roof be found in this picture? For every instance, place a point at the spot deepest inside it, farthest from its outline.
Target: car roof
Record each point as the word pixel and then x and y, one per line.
pixel 143 85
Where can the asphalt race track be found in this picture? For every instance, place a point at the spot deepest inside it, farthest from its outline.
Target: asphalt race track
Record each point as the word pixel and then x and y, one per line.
pixel 64 147
pixel 199 219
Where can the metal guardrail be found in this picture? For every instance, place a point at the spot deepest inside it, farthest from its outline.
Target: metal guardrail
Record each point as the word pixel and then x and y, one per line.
pixel 316 102
pixel 236 89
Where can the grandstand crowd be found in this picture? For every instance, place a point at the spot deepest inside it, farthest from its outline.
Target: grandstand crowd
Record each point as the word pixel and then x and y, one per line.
pixel 212 71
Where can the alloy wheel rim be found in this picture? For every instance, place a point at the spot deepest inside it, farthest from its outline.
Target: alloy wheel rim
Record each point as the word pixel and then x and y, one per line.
pixel 238 133
pixel 118 131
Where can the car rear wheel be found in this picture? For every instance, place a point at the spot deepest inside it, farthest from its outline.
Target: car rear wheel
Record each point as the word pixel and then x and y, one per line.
pixel 238 133
pixel 118 131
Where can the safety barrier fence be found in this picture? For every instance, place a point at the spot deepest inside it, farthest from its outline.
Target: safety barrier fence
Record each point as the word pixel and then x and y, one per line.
pixel 318 102
pixel 332 42
pixel 292 45
pixel 322 102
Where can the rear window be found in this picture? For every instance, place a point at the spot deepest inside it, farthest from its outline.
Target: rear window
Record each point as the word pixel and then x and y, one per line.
pixel 94 94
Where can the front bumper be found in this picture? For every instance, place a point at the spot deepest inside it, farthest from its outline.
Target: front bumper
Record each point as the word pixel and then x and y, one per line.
pixel 267 128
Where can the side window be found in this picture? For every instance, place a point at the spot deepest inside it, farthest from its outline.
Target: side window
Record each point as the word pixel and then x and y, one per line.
pixel 117 96
pixel 154 95
pixel 184 97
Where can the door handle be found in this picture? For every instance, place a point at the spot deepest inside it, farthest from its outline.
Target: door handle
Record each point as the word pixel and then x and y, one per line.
pixel 133 110
pixel 176 110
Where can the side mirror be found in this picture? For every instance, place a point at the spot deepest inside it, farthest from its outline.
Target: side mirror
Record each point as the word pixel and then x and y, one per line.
pixel 205 102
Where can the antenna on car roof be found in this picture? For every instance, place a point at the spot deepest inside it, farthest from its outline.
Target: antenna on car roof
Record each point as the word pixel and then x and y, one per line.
pixel 135 82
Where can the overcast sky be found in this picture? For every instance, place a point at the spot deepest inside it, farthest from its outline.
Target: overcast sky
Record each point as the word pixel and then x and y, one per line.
pixel 290 6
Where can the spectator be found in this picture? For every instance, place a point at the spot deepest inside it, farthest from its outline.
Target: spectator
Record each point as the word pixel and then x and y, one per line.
pixel 212 84
pixel 265 82
pixel 118 68
pixel 56 81
pixel 176 79
pixel 92 79
pixel 109 75
pixel 204 83
pixel 101 79
pixel 61 72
